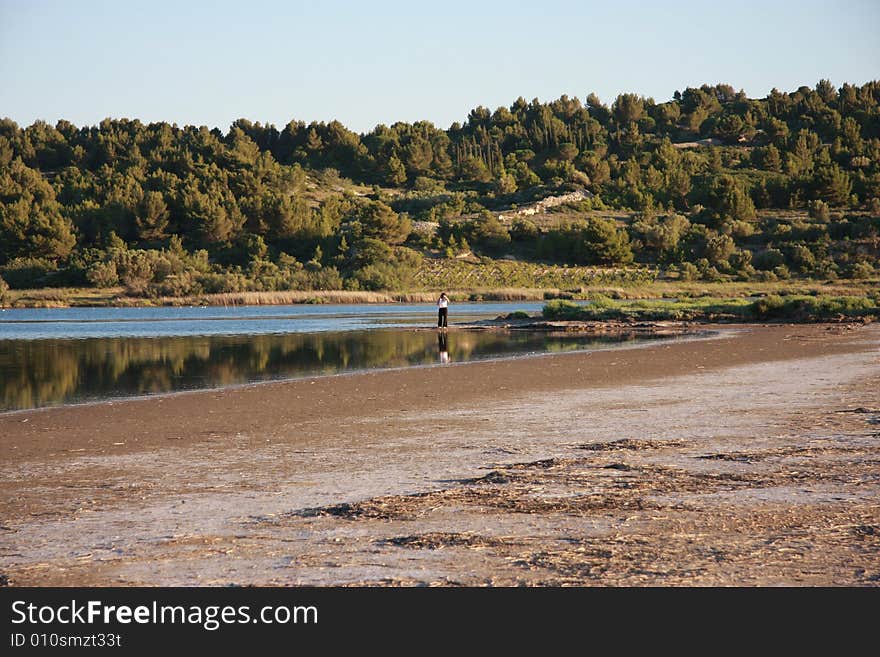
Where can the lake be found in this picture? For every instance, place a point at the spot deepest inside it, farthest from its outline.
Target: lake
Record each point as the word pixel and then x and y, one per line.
pixel 70 355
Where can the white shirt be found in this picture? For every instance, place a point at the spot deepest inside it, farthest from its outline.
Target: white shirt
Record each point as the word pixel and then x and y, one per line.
pixel 443 303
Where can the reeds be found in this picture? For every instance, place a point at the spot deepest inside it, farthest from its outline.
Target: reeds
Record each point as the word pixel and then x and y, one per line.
pixel 794 308
pixel 658 289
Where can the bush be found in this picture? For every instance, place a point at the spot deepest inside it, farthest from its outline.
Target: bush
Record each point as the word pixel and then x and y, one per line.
pixel 369 251
pixel 523 230
pixel 326 278
pixel 792 308
pixel 688 271
pixel 177 285
pixel 102 274
pixel 601 302
pixel 596 242
pixel 136 270
pixel 425 184
pixel 862 270
pixel 380 276
pixel 4 290
pixel 803 258
pixel 381 222
pixel 605 243
pixel 559 309
pixel 811 308
pixel 487 232
pixel 768 260
pixel 216 282
pixel 745 273
pixel 26 273
pixel 819 210
pixel 782 272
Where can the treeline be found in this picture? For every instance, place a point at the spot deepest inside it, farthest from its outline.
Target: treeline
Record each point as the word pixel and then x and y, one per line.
pixel 169 210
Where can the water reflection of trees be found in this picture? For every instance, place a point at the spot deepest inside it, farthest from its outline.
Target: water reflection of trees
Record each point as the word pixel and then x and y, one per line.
pixel 44 372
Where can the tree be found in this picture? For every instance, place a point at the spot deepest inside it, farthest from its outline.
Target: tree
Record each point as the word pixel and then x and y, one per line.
pixel 475 170
pixel 729 200
pixel 487 232
pixel 826 91
pixel 210 217
pixel 662 235
pixel 418 155
pixel 383 223
pixel 67 192
pixel 152 216
pixel 833 185
pixel 31 223
pixel 729 128
pixel 771 160
pixel 597 110
pixel 370 251
pixel 603 242
pixel 314 143
pixel 628 108
pixel 567 151
pixel 719 248
pixel 506 184
pixel 396 172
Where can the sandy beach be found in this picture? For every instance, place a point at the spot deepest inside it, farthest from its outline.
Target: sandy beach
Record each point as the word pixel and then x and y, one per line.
pixel 750 457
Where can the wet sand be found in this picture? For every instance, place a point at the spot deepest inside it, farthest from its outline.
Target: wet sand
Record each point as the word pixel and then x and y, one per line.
pixel 752 457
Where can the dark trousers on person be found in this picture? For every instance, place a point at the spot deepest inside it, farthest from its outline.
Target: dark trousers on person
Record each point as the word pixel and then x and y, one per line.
pixel 442 316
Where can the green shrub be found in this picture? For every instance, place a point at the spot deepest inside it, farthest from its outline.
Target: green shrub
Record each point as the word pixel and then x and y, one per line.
pixel 560 309
pixel 782 272
pixel 380 276
pixel 768 259
pixel 790 308
pixel 804 308
pixel 820 210
pixel 523 230
pixel 862 270
pixel 27 273
pixel 177 285
pixel 688 271
pixel 216 282
pixel 102 274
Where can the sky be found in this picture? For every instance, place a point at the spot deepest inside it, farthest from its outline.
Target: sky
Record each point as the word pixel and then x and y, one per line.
pixel 379 61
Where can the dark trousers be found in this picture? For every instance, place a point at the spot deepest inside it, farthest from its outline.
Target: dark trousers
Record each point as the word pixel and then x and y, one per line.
pixel 442 317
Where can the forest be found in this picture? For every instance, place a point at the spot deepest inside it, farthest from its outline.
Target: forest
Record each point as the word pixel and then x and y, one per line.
pixel 709 185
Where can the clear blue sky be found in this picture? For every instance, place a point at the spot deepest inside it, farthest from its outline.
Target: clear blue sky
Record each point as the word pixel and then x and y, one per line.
pixel 377 61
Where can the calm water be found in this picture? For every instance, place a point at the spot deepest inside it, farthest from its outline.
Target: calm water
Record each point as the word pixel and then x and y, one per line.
pixel 42 323
pixel 57 356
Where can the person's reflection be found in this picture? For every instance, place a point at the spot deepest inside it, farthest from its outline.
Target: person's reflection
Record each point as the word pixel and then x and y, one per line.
pixel 443 347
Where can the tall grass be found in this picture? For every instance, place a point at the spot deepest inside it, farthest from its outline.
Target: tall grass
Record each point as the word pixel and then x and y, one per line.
pixel 346 296
pixel 651 290
pixel 773 307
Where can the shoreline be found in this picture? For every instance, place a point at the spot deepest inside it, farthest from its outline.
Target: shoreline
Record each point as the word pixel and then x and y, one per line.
pixel 357 480
pixel 674 333
pixel 334 388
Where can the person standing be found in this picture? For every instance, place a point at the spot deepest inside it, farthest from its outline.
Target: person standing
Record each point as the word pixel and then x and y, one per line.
pixel 443 310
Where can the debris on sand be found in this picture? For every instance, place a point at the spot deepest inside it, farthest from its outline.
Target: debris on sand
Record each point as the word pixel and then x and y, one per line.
pixel 439 540
pixel 630 444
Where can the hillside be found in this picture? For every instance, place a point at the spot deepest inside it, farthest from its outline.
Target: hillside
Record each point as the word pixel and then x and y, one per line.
pixel 710 185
